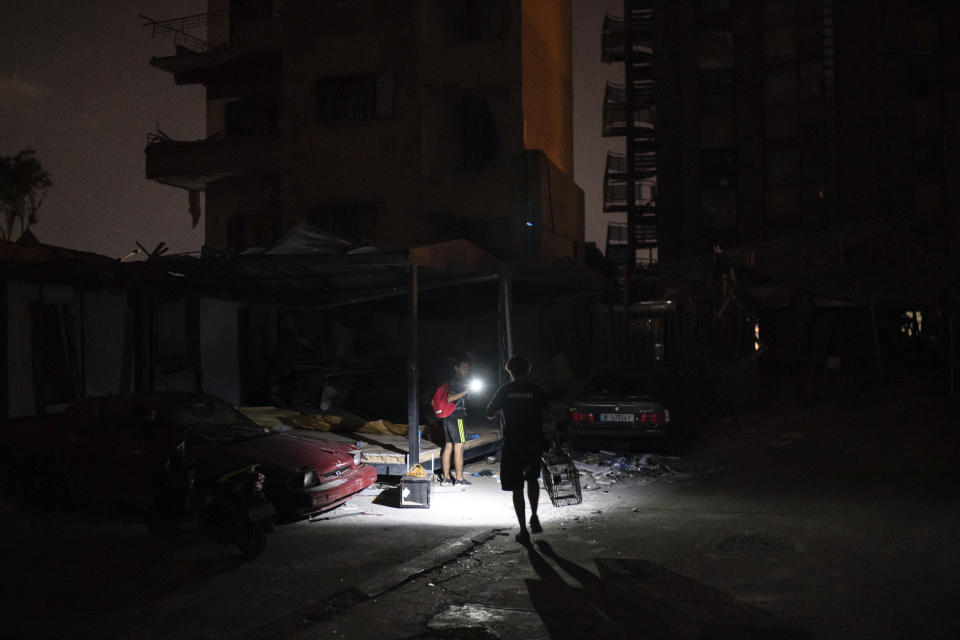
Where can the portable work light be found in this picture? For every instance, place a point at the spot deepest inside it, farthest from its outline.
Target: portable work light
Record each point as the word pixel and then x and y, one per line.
pixel 476 384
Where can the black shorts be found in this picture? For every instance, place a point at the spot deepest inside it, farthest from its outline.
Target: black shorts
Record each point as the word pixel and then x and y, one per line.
pixel 517 465
pixel 453 430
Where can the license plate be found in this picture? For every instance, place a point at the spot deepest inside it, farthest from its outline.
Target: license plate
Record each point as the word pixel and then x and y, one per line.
pixel 261 511
pixel 616 417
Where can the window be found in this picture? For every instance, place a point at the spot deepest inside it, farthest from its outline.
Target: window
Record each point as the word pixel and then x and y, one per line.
pixel 253 230
pixel 715 50
pixel 359 97
pixel 481 142
pixel 482 20
pixel 783 167
pixel 719 208
pixel 459 20
pixel 718 168
pixel 717 116
pixel 354 222
pixel 251 117
pixel 713 13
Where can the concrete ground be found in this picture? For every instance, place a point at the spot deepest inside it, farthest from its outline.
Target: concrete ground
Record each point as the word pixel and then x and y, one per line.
pixel 834 520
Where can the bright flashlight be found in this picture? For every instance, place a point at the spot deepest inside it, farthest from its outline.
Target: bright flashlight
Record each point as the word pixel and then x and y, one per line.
pixel 476 384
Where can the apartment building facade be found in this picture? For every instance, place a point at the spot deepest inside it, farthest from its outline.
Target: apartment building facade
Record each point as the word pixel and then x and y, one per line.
pixel 392 124
pixel 783 117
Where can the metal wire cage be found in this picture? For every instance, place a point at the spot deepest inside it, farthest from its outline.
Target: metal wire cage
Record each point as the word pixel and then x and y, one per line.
pixel 561 479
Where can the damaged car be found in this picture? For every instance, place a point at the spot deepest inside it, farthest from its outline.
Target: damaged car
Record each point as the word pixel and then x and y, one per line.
pixel 112 448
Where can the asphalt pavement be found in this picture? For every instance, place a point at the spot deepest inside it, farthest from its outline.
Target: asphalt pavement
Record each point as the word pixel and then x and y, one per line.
pixel 827 520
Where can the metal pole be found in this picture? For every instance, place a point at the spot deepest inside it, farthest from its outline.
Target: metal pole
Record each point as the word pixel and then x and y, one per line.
pixel 506 348
pixel 876 343
pixel 505 283
pixel 413 408
pixel 952 358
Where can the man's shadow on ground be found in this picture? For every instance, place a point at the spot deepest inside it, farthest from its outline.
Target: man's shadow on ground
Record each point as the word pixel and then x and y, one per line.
pixel 635 598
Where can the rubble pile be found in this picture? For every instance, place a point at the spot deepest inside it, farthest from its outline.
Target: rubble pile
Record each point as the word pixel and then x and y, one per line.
pixel 604 468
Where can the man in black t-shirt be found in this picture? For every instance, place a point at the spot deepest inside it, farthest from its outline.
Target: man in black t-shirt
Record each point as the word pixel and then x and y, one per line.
pixel 525 416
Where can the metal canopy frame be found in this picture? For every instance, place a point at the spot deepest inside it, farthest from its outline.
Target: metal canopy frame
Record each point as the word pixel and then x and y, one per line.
pixel 322 280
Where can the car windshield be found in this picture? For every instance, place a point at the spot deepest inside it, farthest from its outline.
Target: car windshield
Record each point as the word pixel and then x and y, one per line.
pixel 614 385
pixel 214 421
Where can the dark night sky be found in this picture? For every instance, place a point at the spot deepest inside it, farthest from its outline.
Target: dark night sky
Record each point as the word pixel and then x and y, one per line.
pixel 75 84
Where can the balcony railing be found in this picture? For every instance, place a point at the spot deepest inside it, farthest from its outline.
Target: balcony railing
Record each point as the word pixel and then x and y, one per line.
pixel 193 164
pixel 618 236
pixel 644 164
pixel 179 29
pixel 613 43
pixel 614 111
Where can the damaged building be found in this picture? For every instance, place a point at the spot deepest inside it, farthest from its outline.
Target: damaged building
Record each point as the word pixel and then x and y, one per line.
pixel 788 190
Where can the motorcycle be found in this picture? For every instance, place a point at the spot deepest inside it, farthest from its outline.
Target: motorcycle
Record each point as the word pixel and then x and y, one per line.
pixel 228 507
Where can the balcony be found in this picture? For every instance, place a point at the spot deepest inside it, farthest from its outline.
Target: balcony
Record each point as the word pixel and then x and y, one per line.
pixel 192 165
pixel 614 39
pixel 615 189
pixel 618 234
pixel 253 33
pixel 615 112
pixel 644 163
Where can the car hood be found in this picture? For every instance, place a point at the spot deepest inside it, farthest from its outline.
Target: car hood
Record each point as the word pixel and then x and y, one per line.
pixel 291 451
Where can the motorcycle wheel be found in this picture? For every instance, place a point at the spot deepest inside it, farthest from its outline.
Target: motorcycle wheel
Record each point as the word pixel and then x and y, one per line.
pixel 251 540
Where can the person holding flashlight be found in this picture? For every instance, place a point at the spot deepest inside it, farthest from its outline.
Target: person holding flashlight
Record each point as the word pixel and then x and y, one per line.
pixel 453 430
pixel 527 426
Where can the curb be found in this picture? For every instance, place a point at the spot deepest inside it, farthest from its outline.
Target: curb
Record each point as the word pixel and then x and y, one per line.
pixel 446 552
pixel 301 623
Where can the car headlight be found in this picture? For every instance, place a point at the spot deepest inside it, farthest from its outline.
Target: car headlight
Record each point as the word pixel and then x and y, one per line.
pixel 309 478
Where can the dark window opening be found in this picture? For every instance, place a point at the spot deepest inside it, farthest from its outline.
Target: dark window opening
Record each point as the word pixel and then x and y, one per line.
pixel 253 230
pixel 929 158
pixel 481 142
pixel 718 168
pixel 719 208
pixel 482 20
pixel 442 226
pixel 55 365
pixel 360 97
pixel 354 222
pixel 252 117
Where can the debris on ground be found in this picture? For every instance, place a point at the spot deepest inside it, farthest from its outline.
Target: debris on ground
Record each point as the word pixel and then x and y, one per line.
pixel 604 468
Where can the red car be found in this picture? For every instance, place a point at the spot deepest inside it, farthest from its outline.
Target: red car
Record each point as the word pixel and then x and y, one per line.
pixel 112 448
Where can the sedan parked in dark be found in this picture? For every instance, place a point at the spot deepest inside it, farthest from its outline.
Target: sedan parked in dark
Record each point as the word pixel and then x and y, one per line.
pixel 112 448
pixel 637 409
